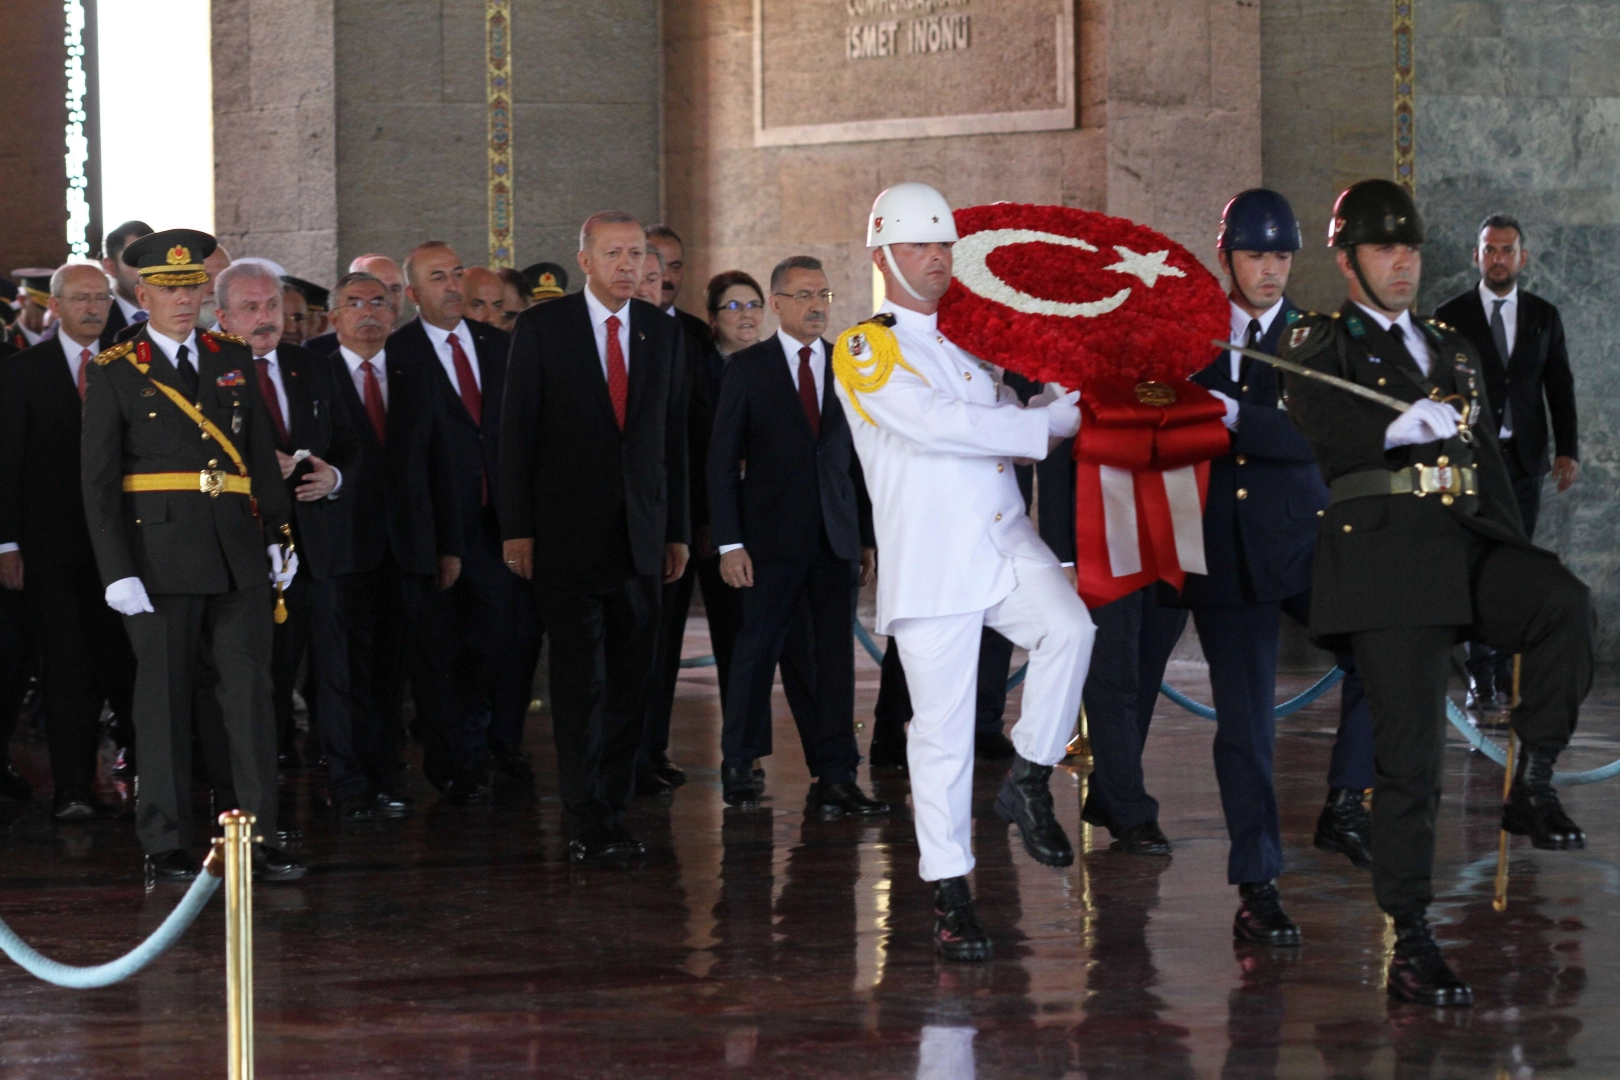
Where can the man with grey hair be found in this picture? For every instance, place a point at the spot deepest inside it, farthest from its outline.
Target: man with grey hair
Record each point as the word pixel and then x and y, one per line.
pixel 46 561
pixel 315 445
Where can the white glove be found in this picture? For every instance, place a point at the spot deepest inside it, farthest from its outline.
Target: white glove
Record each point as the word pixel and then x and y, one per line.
pixel 282 573
pixel 127 596
pixel 1062 410
pixel 1231 417
pixel 1425 422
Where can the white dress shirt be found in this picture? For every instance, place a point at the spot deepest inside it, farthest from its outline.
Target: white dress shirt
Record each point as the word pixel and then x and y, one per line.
pixel 1510 323
pixel 171 348
pixel 599 316
pixel 1240 331
pixel 33 338
pixel 275 380
pixel 73 350
pixel 441 345
pixel 818 372
pixel 130 310
pixel 938 456
pixel 1417 346
pixel 379 368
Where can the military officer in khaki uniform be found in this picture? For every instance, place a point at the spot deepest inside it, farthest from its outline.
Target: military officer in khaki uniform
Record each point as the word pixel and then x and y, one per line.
pixel 184 499
pixel 1421 548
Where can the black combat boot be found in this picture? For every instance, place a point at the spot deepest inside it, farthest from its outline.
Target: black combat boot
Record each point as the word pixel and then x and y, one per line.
pixel 1534 809
pixel 1417 971
pixel 957 933
pixel 1260 919
pixel 1345 826
pixel 1025 800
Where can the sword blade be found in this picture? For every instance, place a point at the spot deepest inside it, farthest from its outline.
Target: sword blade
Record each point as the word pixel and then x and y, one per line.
pixel 1320 376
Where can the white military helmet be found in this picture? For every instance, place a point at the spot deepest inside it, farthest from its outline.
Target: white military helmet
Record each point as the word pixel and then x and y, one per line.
pixel 909 213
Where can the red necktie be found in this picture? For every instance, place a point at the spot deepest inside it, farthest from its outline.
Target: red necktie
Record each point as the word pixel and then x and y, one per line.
pixel 374 403
pixel 84 362
pixel 267 390
pixel 470 395
pixel 618 378
pixel 807 392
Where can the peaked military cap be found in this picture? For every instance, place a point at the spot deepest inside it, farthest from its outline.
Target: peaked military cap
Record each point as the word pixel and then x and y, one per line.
pixel 316 297
pixel 171 257
pixel 35 282
pixel 547 280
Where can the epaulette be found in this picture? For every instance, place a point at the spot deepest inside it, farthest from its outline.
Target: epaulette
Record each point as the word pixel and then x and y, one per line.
pixel 223 336
pixel 1307 335
pixel 864 357
pixel 1353 323
pixel 1432 330
pixel 107 356
pixel 882 318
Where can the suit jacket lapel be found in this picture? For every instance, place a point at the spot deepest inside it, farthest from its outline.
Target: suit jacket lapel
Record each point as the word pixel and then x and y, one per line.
pixel 589 360
pixel 641 360
pixel 160 368
pixel 829 396
pixel 782 380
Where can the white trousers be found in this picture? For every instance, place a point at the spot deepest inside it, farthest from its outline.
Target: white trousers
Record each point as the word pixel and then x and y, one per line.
pixel 941 657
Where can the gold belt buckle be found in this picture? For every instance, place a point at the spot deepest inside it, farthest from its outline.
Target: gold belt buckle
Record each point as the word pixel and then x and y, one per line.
pixel 211 482
pixel 1437 478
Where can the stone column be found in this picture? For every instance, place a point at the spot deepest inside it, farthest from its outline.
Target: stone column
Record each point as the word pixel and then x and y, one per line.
pixel 33 230
pixel 348 126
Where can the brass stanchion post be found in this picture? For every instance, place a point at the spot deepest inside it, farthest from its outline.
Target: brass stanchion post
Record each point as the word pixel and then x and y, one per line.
pixel 1499 903
pixel 238 847
pixel 1080 745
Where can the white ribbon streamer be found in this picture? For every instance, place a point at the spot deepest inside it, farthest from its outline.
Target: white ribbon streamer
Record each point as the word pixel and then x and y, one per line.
pixel 1119 520
pixel 1186 517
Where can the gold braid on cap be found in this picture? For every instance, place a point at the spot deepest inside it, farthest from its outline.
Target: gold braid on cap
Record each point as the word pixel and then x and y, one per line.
pixel 178 269
pixel 864 358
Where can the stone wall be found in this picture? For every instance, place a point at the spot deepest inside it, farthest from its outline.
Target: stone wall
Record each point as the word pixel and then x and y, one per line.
pixel 33 229
pixel 347 126
pixel 1518 110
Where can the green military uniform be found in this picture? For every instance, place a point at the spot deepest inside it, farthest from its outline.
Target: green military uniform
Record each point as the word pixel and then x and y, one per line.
pixel 1423 548
pixel 169 503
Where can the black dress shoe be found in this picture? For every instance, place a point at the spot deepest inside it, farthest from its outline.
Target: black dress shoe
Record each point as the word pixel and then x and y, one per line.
pixel 602 843
pixel 392 802
pixel 1533 808
pixel 957 933
pixel 512 763
pixel 671 773
pixel 12 785
pixel 124 765
pixel 1144 839
pixel 355 808
pixel 759 772
pixel 1481 694
pixel 1418 972
pixel 176 865
pixel 993 746
pixel 1345 826
pixel 79 805
pixel 829 802
pixel 649 785
pixel 884 756
pixel 465 787
pixel 1025 800
pixel 1260 918
pixel 273 864
pixel 738 785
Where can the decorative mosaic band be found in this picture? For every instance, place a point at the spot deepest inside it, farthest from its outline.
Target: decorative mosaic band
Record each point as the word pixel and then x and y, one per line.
pixel 498 58
pixel 1405 123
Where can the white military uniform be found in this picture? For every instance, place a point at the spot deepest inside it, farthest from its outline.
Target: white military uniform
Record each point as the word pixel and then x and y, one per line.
pixel 957 553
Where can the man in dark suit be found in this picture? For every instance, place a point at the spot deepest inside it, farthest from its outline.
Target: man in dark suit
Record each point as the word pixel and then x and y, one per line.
pixel 1519 339
pixel 315 446
pixel 126 309
pixel 44 543
pixel 1400 579
pixel 797 530
pixel 594 510
pixel 474 636
pixel 391 536
pixel 181 521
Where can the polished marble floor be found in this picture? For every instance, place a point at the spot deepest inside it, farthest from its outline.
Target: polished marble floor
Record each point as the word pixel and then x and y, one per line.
pixel 755 944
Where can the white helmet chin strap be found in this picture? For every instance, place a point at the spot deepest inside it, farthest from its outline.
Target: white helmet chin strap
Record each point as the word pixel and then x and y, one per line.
pixel 894 268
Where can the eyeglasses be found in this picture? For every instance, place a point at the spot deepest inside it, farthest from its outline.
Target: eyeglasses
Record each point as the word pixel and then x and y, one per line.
pixel 741 305
pixel 360 303
pixel 804 296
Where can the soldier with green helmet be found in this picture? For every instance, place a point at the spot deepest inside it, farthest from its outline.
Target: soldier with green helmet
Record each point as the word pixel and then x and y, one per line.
pixel 1421 548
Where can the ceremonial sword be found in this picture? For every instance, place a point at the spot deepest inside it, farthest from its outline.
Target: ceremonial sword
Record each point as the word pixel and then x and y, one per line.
pixel 1345 384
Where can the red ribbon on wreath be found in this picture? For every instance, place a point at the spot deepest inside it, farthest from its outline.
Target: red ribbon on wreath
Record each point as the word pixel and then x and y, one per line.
pixel 1126 314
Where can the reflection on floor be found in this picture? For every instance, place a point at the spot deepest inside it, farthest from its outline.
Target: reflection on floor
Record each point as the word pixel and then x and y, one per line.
pixel 754 943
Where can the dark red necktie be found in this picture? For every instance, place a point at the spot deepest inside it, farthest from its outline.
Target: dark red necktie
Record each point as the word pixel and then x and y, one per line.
pixel 807 392
pixel 470 394
pixel 84 362
pixel 374 403
pixel 618 377
pixel 267 390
